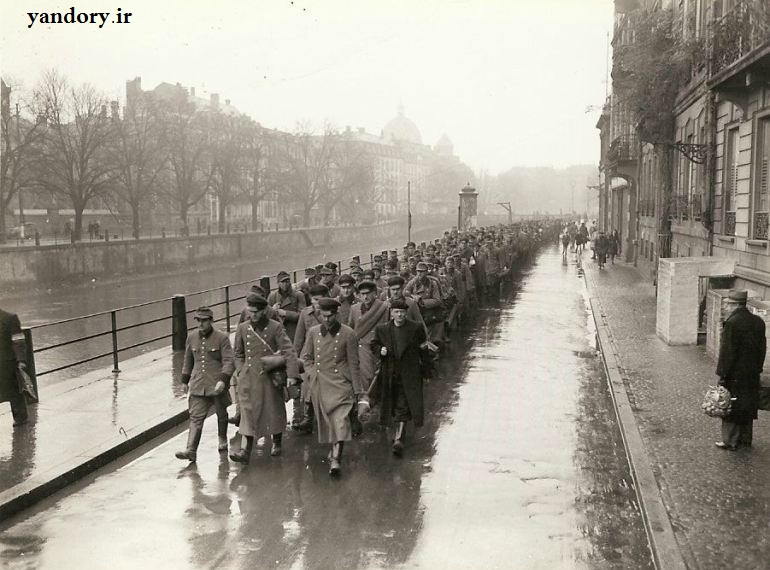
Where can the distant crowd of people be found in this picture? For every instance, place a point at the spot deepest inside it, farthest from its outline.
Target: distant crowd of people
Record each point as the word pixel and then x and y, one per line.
pixel 576 235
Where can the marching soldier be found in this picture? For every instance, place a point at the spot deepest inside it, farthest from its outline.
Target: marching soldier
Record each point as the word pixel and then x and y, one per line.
pixel 206 372
pixel 328 279
pixel 287 303
pixel 260 394
pixel 13 354
pixel 364 316
pixel 425 291
pixel 330 356
pixel 347 298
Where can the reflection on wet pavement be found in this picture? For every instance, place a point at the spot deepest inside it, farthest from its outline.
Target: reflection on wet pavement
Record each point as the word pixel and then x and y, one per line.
pixel 520 465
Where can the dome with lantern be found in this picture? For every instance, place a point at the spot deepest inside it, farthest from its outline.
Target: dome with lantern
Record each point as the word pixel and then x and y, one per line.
pixel 401 129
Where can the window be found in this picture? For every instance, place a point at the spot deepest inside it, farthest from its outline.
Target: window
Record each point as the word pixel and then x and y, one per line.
pixel 730 181
pixel 762 180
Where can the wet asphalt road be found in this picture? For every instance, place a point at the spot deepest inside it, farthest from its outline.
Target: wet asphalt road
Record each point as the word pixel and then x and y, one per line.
pixel 520 465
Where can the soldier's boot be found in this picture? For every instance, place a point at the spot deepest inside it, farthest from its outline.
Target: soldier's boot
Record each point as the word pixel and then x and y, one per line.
pixel 298 414
pixel 193 439
pixel 275 450
pixel 306 425
pixel 244 454
pixel 222 433
pixel 335 467
pixel 398 439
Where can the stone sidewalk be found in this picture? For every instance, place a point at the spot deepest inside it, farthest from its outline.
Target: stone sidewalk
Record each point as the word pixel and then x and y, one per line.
pixel 718 502
pixel 84 423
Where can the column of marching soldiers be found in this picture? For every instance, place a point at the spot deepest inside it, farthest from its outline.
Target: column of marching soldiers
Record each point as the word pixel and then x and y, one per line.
pixel 339 345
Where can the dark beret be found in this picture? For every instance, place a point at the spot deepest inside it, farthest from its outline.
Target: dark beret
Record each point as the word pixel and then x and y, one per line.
pixel 399 304
pixel 346 279
pixel 331 265
pixel 396 280
pixel 309 271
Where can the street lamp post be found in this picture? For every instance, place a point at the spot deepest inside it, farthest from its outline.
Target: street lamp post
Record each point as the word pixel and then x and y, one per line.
pixel 409 210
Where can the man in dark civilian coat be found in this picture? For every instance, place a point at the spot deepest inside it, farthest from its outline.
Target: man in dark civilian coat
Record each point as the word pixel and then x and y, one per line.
pixel 12 355
pixel 741 358
pixel 399 344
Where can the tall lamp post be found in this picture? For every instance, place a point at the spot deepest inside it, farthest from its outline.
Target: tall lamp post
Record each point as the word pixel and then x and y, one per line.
pixel 408 211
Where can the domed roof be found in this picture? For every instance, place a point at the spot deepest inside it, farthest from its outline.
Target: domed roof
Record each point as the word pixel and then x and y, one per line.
pixel 444 141
pixel 402 129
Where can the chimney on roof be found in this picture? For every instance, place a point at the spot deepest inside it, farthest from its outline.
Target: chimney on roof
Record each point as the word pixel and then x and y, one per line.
pixel 215 100
pixel 192 91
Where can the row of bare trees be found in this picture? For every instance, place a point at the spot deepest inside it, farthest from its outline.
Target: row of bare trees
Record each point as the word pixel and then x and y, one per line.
pixel 167 152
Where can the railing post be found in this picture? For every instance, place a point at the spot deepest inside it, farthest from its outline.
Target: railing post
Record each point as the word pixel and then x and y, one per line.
pixel 264 282
pixel 30 358
pixel 227 306
pixel 295 276
pixel 178 322
pixel 114 319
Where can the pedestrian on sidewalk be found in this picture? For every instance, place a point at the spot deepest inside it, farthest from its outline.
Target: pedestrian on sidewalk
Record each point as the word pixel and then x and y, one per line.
pixel 601 246
pixel 208 365
pixel 261 394
pixel 612 251
pixel 741 358
pixel 402 348
pixel 334 382
pixel 12 356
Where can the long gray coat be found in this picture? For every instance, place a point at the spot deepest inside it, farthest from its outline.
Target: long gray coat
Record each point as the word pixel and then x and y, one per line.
pixel 263 411
pixel 10 355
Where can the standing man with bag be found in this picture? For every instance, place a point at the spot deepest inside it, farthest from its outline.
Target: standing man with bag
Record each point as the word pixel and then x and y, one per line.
pixel 208 365
pixel 741 358
pixel 263 411
pixel 13 355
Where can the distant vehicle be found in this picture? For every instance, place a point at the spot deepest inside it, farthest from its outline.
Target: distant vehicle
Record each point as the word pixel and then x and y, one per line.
pixel 15 232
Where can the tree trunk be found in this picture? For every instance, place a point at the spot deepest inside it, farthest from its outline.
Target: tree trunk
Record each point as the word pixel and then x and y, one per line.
pixel 222 207
pixel 3 230
pixel 135 219
pixel 183 207
pixel 77 231
pixel 254 216
pixel 306 216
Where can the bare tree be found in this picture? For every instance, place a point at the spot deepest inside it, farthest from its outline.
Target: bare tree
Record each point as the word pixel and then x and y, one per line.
pixel 72 161
pixel 139 155
pixel 305 165
pixel 352 179
pixel 19 137
pixel 230 142
pixel 188 143
pixel 257 169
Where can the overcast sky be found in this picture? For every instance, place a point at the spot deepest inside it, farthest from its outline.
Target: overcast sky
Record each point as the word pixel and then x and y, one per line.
pixel 507 80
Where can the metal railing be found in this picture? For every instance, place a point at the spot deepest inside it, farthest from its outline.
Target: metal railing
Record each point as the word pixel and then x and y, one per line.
pixel 623 148
pixel 744 28
pixel 760 225
pixel 729 224
pixel 224 293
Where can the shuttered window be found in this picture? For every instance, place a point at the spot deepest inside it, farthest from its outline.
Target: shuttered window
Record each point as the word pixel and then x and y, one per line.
pixel 762 181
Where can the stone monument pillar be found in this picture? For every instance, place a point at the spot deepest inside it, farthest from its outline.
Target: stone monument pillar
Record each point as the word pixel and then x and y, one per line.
pixel 466 213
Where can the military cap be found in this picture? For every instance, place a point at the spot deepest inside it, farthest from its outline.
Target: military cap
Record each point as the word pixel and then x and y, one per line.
pixel 356 270
pixel 392 264
pixel 327 271
pixel 395 280
pixel 411 244
pixel 394 251
pixel 346 279
pixel 377 257
pixel 203 312
pixel 319 289
pixel 328 304
pixel 257 288
pixel 422 266
pixel 368 274
pixel 740 295
pixel 356 258
pixel 331 265
pixel 309 271
pixel 256 302
pixel 399 304
pixel 282 276
pixel 412 258
pixel 366 287
pixel 318 268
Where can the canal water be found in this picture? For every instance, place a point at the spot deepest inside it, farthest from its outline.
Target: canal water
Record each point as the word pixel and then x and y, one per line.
pixel 520 465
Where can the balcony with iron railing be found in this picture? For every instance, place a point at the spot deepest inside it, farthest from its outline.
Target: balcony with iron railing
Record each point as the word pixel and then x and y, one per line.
pixel 623 148
pixel 761 220
pixel 741 35
pixel 729 224
pixel 683 207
